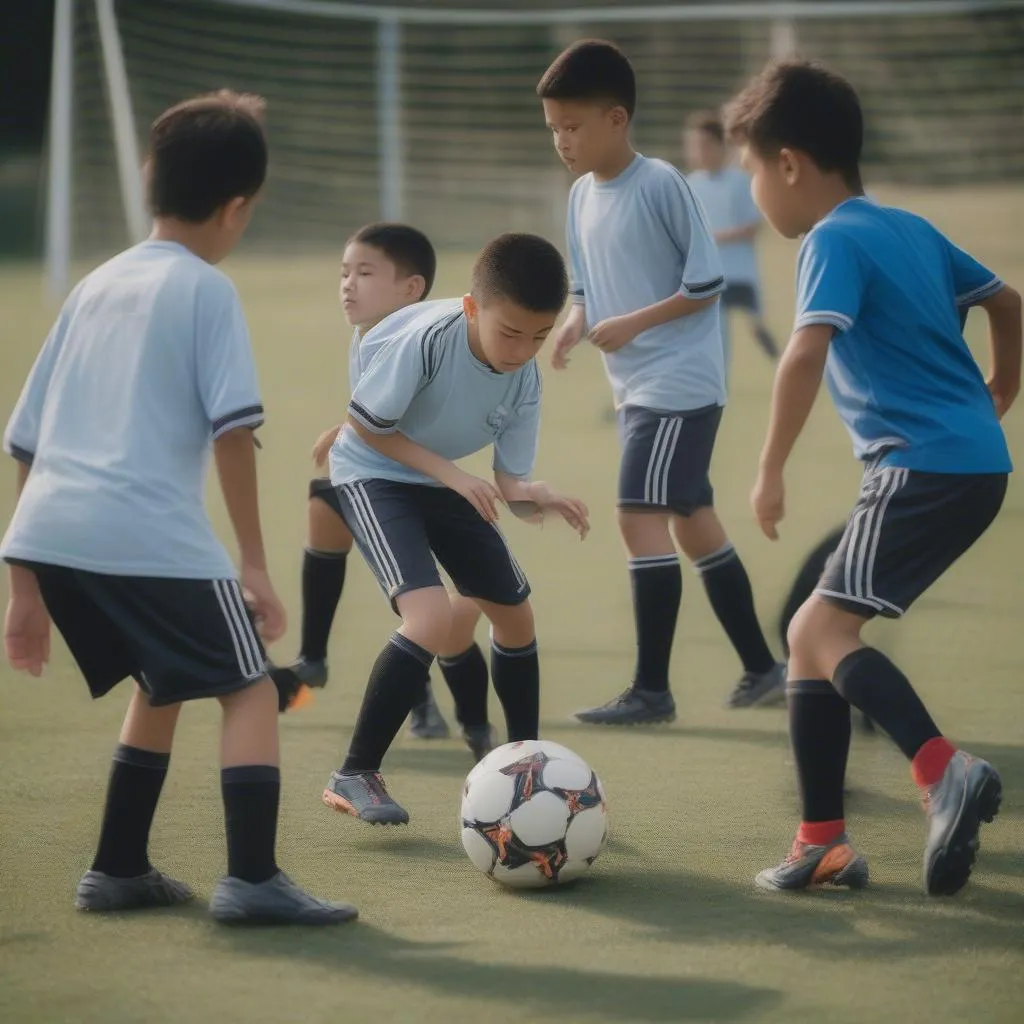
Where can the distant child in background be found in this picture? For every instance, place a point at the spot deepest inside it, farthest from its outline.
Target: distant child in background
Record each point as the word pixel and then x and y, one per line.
pixel 147 370
pixel 645 284
pixel 384 268
pixel 878 294
pixel 724 192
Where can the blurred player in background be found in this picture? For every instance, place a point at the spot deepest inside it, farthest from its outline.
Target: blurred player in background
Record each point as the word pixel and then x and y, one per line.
pixel 724 191
pixel 645 284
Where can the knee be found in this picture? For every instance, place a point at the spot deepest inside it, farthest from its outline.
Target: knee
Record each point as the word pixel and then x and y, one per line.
pixel 465 616
pixel 513 625
pixel 645 533
pixel 427 618
pixel 819 635
pixel 326 530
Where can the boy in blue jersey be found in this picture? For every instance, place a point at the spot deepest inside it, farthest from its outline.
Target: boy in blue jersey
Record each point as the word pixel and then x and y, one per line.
pixel 646 279
pixel 147 368
pixel 724 191
pixel 878 294
pixel 440 381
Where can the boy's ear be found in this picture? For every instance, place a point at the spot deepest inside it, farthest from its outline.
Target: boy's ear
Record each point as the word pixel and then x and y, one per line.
pixel 618 116
pixel 232 210
pixel 470 308
pixel 415 286
pixel 789 166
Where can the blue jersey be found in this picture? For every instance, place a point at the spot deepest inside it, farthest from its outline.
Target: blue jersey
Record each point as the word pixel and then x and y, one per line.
pixel 900 373
pixel 728 204
pixel 635 241
pixel 417 376
pixel 148 362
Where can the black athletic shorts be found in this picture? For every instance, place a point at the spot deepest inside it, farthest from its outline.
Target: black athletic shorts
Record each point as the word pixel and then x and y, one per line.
pixel 322 488
pixel 741 296
pixel 906 530
pixel 180 639
pixel 666 457
pixel 402 528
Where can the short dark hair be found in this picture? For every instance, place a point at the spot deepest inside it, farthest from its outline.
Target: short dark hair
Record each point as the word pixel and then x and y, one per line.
pixel 525 269
pixel 205 152
pixel 709 122
pixel 592 69
pixel 798 104
pixel 407 247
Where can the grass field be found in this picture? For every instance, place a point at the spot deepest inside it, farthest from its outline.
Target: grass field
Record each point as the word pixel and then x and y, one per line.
pixel 667 927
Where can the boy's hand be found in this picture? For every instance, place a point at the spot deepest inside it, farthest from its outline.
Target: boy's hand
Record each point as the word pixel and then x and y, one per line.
pixel 567 338
pixel 1003 395
pixel 481 494
pixel 27 632
pixel 262 599
pixel 323 445
pixel 572 510
pixel 614 333
pixel 769 502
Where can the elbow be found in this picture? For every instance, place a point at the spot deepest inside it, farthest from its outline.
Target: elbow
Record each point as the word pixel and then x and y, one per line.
pixel 1006 302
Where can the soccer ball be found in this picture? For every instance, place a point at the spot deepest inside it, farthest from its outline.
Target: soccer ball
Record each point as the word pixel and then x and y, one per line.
pixel 533 814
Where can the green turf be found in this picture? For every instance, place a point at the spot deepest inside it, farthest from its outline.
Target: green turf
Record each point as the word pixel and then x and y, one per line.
pixel 668 926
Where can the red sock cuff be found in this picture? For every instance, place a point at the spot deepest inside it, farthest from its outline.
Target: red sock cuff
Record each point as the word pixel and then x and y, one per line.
pixel 930 761
pixel 820 833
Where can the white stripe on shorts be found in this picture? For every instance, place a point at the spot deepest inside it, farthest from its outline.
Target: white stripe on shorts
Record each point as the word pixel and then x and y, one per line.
pixel 519 574
pixel 865 533
pixel 247 648
pixel 660 462
pixel 386 562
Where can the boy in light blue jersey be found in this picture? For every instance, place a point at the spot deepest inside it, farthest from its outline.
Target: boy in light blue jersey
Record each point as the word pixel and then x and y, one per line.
pixel 879 291
pixel 147 370
pixel 724 192
pixel 437 382
pixel 646 279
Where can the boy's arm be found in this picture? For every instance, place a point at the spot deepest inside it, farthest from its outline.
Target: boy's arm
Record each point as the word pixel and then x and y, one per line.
pixel 1004 331
pixel 743 233
pixel 570 334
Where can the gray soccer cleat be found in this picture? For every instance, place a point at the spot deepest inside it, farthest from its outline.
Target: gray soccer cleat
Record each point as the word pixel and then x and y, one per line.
pixel 100 893
pixel 364 796
pixel 276 901
pixel 426 721
pixel 480 739
pixel 632 707
pixel 968 794
pixel 759 689
pixel 836 863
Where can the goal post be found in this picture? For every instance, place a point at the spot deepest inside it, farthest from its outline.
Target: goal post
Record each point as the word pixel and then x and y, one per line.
pixel 428 113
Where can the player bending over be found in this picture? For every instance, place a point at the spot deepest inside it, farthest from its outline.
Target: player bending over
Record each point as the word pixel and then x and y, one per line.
pixel 646 279
pixel 146 368
pixel 439 382
pixel 878 291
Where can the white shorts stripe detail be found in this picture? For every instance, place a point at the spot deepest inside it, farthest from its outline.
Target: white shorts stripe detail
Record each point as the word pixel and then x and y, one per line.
pixel 516 568
pixel 248 637
pixel 231 630
pixel 899 479
pixel 388 552
pixel 652 459
pixel 674 430
pixel 660 464
pixel 383 557
pixel 225 599
pixel 865 535
pixel 379 567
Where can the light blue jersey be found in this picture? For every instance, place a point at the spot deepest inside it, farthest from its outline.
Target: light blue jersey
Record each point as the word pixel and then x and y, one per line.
pixel 148 362
pixel 900 373
pixel 416 375
pixel 728 204
pixel 634 241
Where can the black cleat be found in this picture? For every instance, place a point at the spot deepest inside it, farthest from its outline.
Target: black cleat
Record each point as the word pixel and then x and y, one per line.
pixel 296 681
pixel 276 901
pixel 632 707
pixel 100 893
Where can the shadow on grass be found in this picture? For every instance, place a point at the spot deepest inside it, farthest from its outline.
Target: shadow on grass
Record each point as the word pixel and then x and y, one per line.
pixel 439 968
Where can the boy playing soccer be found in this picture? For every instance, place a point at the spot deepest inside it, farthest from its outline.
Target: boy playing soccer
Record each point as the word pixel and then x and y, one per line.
pixel 439 382
pixel 384 268
pixel 149 364
pixel 724 192
pixel 878 293
pixel 646 278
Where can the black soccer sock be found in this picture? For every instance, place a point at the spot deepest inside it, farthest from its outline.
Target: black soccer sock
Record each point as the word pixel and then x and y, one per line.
pixel 766 341
pixel 466 676
pixel 819 728
pixel 874 685
pixel 516 675
pixel 251 794
pixel 657 591
pixel 397 684
pixel 136 778
pixel 728 586
pixel 323 579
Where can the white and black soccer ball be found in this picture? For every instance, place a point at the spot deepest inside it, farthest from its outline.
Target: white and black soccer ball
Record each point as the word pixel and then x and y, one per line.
pixel 533 814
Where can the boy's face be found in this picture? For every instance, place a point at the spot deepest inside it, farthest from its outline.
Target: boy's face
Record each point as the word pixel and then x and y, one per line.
pixel 703 151
pixel 509 335
pixel 775 183
pixel 587 135
pixel 372 287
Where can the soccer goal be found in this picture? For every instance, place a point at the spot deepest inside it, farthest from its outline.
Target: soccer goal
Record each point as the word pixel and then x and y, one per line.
pixel 428 113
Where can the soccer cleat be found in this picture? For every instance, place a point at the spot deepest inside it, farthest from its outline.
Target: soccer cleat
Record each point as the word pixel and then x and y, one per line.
pixel 632 707
pixel 294 682
pixel 968 794
pixel 426 721
pixel 759 689
pixel 100 893
pixel 836 863
pixel 480 739
pixel 278 900
pixel 364 796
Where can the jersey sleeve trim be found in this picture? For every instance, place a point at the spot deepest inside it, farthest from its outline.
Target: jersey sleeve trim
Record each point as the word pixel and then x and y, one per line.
pixel 704 290
pixel 375 424
pixel 840 321
pixel 251 416
pixel 19 454
pixel 976 295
